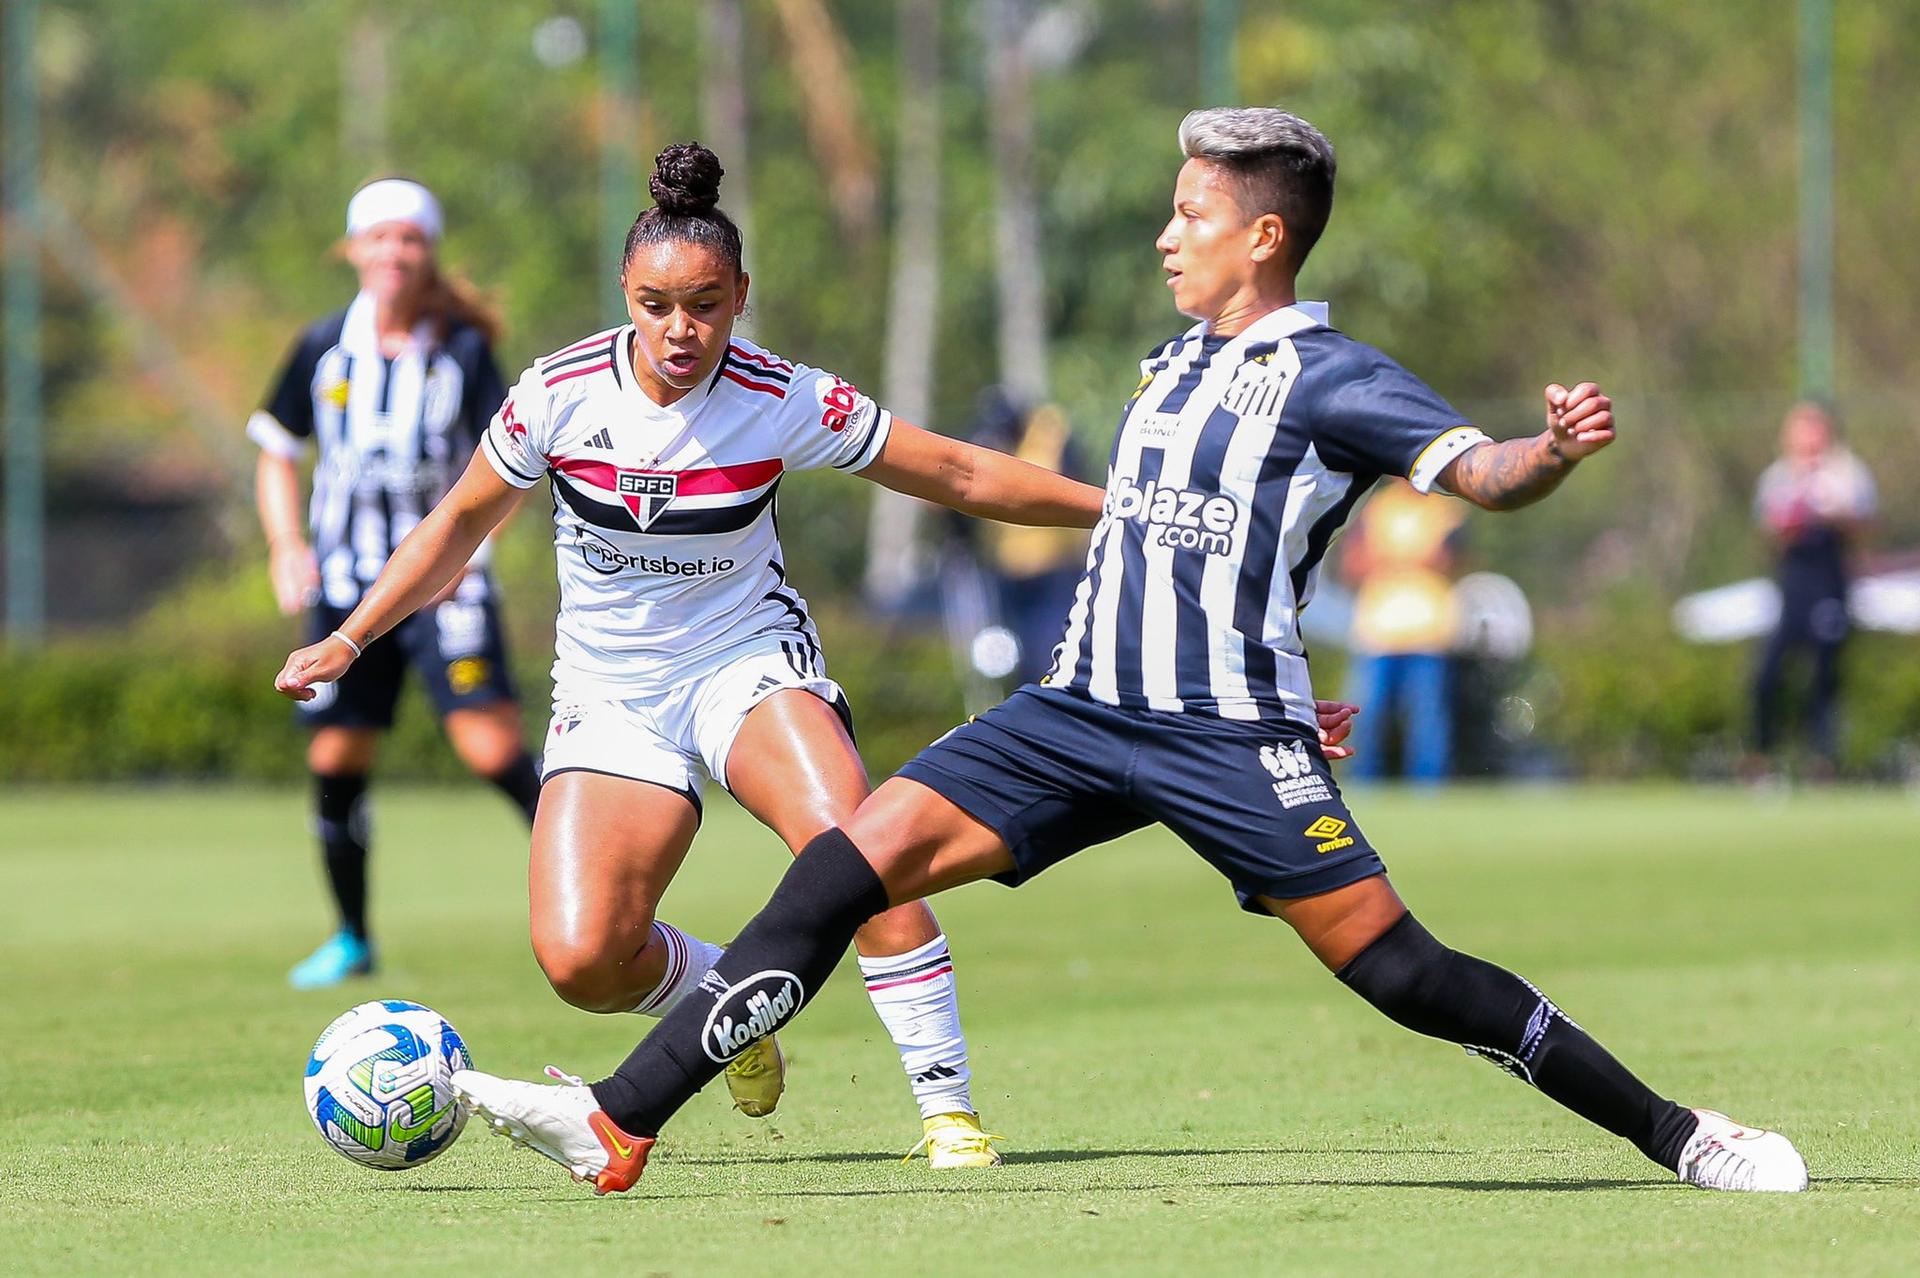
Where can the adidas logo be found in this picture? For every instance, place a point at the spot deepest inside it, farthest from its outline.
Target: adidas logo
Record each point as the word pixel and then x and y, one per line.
pixel 767 682
pixel 936 1073
pixel 601 439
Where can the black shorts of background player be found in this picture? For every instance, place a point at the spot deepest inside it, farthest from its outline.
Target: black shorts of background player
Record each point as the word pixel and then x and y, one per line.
pixel 1264 426
pixel 394 390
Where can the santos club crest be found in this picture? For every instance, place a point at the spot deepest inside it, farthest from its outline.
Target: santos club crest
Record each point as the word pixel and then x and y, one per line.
pixel 647 495
pixel 1287 761
pixel 1295 780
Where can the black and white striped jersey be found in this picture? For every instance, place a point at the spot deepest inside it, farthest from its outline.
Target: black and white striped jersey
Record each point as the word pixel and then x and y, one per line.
pixel 1237 461
pixel 393 434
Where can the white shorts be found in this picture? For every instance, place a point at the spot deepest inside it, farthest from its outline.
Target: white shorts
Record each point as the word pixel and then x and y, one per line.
pixel 670 737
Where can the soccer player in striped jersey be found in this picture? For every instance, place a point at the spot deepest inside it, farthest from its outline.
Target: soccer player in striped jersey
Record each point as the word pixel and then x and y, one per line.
pixel 681 647
pixel 1181 695
pixel 396 390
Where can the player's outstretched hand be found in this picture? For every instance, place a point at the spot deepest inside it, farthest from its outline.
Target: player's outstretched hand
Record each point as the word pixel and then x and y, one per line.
pixel 321 662
pixel 1336 724
pixel 1581 419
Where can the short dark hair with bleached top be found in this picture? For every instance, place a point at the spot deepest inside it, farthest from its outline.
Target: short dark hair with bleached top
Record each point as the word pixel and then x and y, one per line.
pixel 1281 165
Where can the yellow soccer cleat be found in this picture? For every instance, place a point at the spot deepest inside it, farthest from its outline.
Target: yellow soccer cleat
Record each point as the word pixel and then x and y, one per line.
pixel 756 1077
pixel 957 1140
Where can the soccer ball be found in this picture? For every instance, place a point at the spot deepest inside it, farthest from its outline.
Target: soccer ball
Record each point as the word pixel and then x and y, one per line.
pixel 379 1084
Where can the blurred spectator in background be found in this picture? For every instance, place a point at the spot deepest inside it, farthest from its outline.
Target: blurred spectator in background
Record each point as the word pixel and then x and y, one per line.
pixel 1034 570
pixel 1400 560
pixel 1814 502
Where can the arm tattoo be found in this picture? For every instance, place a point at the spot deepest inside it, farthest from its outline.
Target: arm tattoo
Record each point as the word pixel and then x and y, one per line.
pixel 1507 475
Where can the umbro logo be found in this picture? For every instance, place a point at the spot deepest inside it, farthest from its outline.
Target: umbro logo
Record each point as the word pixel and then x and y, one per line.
pixel 602 438
pixel 1332 833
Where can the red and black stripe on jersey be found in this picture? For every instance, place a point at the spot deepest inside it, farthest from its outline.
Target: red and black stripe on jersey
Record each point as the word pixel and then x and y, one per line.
pixel 585 486
pixel 597 354
pixel 757 371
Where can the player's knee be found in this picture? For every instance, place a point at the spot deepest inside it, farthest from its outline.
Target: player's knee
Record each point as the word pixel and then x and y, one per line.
pixel 338 751
pixel 589 972
pixel 1398 971
pixel 830 885
pixel 590 984
pixel 488 755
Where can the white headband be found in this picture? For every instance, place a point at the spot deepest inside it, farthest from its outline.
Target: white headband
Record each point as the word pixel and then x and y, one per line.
pixel 394 200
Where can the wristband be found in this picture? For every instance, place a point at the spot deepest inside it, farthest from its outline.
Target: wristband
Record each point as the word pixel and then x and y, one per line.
pixel 341 636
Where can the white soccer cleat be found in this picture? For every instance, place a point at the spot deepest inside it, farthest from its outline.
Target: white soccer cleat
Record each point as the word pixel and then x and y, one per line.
pixel 1721 1154
pixel 564 1123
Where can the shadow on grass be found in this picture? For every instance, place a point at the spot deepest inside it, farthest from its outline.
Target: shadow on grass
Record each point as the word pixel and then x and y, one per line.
pixel 1024 1157
pixel 973 1186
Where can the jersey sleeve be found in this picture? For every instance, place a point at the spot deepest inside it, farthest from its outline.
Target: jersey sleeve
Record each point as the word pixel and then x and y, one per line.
pixel 283 426
pixel 516 439
pixel 1373 416
pixel 826 421
pixel 484 389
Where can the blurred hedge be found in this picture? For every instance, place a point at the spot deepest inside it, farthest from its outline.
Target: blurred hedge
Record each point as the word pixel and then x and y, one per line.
pixel 1619 696
pixel 188 694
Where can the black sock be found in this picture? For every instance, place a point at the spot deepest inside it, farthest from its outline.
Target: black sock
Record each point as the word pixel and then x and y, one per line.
pixel 1433 990
pixel 520 781
pixel 340 803
pixel 766 976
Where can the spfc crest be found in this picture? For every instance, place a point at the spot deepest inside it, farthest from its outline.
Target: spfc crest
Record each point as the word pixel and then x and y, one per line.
pixel 647 495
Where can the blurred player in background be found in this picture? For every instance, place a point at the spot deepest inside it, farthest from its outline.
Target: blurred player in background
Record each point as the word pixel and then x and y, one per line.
pixel 1034 569
pixel 1814 503
pixel 681 650
pixel 1181 696
pixel 395 390
pixel 1400 558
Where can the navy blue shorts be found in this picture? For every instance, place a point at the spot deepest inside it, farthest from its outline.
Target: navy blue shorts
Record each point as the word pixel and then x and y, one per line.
pixel 1052 773
pixel 457 650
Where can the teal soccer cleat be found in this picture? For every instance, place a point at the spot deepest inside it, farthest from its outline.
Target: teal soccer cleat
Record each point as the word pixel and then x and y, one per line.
pixel 340 956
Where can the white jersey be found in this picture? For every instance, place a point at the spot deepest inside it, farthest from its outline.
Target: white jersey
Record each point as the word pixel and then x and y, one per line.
pixel 664 516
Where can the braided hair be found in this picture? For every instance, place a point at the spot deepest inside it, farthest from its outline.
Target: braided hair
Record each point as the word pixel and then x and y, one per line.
pixel 686 205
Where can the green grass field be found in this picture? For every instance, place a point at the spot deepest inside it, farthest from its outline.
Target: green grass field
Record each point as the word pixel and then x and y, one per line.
pixel 1184 1090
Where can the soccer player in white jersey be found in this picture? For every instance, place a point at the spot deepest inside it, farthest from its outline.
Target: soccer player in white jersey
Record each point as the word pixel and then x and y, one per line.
pixel 681 647
pixel 395 391
pixel 1181 696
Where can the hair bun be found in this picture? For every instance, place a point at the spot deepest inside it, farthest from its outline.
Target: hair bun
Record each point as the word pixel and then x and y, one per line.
pixel 686 180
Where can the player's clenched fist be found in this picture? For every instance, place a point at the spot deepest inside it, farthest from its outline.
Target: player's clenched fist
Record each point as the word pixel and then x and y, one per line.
pixel 1580 420
pixel 321 662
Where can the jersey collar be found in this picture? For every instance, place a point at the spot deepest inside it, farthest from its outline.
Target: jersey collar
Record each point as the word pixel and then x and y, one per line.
pixel 1276 324
pixel 685 406
pixel 1284 321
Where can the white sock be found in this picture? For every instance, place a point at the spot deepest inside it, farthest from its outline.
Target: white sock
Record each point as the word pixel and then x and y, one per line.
pixel 915 996
pixel 688 959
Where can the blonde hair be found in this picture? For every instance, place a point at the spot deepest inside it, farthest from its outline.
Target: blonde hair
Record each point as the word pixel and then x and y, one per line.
pixel 450 298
